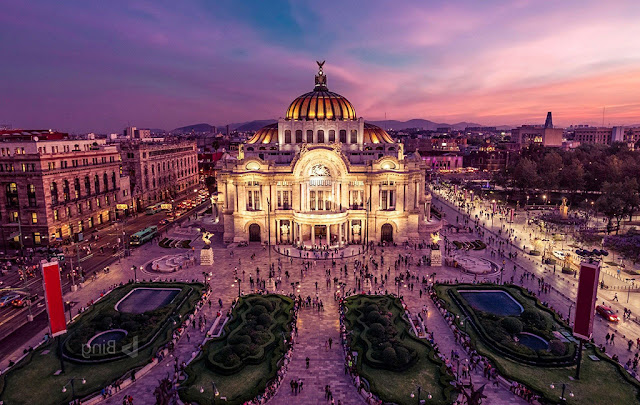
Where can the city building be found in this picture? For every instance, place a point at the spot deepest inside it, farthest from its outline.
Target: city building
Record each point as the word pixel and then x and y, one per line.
pixel 159 170
pixel 323 176
pixel 598 135
pixel 536 135
pixel 56 188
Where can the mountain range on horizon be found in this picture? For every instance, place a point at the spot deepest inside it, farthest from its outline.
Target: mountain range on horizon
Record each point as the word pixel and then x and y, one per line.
pixel 385 124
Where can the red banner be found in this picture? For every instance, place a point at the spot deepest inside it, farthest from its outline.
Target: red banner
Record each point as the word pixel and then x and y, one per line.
pixel 53 297
pixel 586 299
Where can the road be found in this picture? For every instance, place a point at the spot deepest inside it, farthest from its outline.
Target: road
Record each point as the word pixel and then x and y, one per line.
pixel 14 327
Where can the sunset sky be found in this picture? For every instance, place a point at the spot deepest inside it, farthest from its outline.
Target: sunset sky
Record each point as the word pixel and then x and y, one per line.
pixel 97 66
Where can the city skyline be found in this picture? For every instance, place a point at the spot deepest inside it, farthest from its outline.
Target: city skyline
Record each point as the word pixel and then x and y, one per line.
pixel 81 67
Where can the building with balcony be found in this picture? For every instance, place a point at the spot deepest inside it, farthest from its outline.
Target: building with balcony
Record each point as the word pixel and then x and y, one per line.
pixel 323 176
pixel 159 170
pixel 55 188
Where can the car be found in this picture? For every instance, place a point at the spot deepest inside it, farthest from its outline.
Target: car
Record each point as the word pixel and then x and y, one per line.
pixel 607 313
pixel 24 300
pixel 164 222
pixel 6 300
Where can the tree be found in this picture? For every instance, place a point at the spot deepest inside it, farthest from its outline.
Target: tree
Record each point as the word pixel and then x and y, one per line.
pixel 572 177
pixel 550 169
pixel 618 200
pixel 525 174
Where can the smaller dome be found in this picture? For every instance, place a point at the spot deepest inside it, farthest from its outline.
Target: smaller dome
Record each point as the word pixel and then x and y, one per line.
pixel 265 134
pixel 375 134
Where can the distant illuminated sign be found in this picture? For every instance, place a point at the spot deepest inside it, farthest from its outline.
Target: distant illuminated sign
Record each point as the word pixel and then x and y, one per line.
pixel 122 206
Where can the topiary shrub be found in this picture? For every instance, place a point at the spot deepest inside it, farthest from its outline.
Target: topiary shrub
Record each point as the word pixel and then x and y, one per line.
pixel 557 347
pixel 373 317
pixel 533 318
pixel 389 356
pixel 265 320
pixel 512 325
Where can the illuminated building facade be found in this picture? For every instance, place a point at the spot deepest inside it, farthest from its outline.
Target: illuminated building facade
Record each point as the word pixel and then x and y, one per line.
pixel 322 176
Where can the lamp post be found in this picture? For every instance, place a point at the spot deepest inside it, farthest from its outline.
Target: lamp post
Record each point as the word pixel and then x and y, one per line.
pixel 564 387
pixel 237 280
pixel 73 389
pixel 135 273
pixel 569 317
pixel 629 288
pixel 269 229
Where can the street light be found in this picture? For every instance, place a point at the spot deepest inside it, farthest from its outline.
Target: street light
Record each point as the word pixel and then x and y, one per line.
pixel 564 387
pixel 629 288
pixel 237 280
pixel 135 272
pixel 73 389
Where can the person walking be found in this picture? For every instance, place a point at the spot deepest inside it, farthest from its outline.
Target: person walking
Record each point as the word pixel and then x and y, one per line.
pixel 330 342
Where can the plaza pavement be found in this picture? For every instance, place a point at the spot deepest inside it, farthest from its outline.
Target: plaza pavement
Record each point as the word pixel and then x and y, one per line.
pixel 326 367
pixel 563 293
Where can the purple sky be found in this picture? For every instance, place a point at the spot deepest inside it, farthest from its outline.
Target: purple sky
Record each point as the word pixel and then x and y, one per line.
pixel 97 66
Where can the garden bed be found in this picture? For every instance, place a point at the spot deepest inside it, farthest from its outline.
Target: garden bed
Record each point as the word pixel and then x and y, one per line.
pixel 390 357
pixel 594 374
pixel 245 358
pixel 32 380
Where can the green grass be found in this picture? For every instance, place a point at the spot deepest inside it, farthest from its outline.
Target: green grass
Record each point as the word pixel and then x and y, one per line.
pixel 396 386
pixel 32 381
pixel 601 382
pixel 251 379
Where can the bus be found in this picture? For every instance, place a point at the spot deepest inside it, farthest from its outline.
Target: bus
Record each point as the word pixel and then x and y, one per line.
pixel 143 236
pixel 154 209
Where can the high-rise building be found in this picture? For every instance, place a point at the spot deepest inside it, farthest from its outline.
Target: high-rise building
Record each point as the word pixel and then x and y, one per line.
pixel 56 188
pixel 548 123
pixel 159 170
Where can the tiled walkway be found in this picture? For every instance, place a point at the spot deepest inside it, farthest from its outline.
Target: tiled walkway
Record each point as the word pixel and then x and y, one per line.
pixel 326 366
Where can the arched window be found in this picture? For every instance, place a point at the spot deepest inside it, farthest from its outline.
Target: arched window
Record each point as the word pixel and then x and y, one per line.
pixel 332 135
pixel 53 188
pixel 320 136
pixel 299 136
pixel 309 136
pixel 287 136
pixel 113 179
pixel 87 185
pixel 343 136
pixel 96 182
pixel 105 180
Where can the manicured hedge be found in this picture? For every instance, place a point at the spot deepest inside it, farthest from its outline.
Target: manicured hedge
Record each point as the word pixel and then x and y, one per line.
pixel 497 330
pixel 103 316
pixel 255 331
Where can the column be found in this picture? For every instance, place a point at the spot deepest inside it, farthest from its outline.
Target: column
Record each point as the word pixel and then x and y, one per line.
pixel 278 236
pixel 292 237
pixel 328 235
pixel 340 234
pixel 313 234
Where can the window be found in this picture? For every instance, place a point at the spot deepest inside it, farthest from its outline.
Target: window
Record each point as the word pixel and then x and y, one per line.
pixel 37 239
pixel 54 192
pixel 31 195
pixel 13 217
pixel 320 136
pixel 343 136
pixel 105 180
pixel 90 222
pixel 287 136
pixel 55 215
pixel 98 202
pixel 76 188
pixel 67 211
pixel 354 136
pixel 87 185
pixel 253 200
pixel 284 198
pixel 12 195
pixel 356 199
pixel 332 136
pixel 96 182
pixel 113 180
pixel 34 218
pixel 309 136
pixel 65 190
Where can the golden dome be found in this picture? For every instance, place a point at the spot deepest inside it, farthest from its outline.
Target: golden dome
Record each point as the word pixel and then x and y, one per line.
pixel 375 134
pixel 265 134
pixel 321 103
